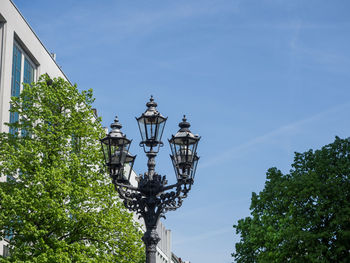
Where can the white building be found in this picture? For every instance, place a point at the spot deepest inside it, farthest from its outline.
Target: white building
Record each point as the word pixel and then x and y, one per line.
pixel 23 58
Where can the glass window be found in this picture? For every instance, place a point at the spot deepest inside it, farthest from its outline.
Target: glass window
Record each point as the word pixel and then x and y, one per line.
pixel 1 44
pixel 16 82
pixel 28 76
pixel 8 235
pixel 23 71
pixel 6 251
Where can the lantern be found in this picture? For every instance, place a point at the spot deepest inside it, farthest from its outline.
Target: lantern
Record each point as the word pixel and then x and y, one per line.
pixel 184 152
pixel 115 147
pixel 151 124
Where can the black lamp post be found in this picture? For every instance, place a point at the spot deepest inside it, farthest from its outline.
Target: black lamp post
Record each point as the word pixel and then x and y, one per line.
pixel 151 198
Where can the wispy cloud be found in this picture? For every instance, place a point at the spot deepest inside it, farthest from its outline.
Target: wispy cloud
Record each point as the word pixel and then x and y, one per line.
pixel 286 130
pixel 329 60
pixel 310 55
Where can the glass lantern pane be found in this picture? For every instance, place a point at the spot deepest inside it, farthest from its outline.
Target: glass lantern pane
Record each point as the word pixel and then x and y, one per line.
pixel 194 166
pixel 105 150
pixel 150 130
pixel 115 155
pixel 172 147
pixel 120 153
pixel 175 167
pixel 128 167
pixel 142 128
pixel 177 149
pixel 160 128
pixel 181 155
pixel 125 170
pixel 188 153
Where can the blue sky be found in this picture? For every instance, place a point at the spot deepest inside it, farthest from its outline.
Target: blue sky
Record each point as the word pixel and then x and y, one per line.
pixel 258 80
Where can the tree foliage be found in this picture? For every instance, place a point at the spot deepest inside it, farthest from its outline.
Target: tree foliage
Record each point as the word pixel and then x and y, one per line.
pixel 303 216
pixel 57 205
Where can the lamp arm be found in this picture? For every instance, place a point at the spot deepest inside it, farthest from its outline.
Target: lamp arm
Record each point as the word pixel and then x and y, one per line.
pixel 180 183
pixel 173 200
pixel 172 186
pixel 129 187
pixel 132 201
pixel 123 194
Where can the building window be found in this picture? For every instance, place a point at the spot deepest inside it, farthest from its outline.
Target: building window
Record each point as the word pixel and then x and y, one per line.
pixel 1 45
pixel 16 81
pixel 20 60
pixel 28 76
pixel 6 251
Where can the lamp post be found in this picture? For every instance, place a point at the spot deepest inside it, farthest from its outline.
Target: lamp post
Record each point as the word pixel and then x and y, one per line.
pixel 151 197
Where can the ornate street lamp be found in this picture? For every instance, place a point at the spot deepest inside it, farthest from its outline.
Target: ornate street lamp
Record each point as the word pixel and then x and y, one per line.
pixel 151 197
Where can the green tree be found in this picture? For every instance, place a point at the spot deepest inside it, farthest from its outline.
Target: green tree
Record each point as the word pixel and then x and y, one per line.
pixel 57 204
pixel 303 216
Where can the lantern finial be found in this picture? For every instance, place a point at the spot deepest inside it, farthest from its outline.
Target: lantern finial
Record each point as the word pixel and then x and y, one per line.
pixel 184 125
pixel 116 124
pixel 151 104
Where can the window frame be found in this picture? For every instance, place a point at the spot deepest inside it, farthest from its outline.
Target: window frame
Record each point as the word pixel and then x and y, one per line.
pixel 25 56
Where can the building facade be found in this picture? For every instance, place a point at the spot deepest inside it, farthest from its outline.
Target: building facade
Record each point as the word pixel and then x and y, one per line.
pixel 23 58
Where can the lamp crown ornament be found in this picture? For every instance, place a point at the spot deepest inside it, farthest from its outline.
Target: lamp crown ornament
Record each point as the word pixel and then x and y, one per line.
pixel 184 125
pixel 151 110
pixel 115 129
pixel 151 103
pixel 116 124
